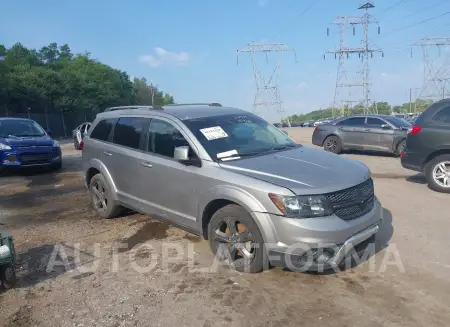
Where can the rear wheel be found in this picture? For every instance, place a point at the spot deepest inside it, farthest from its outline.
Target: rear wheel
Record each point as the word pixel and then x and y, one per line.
pixel 400 148
pixel 101 198
pixel 332 144
pixel 437 173
pixel 76 144
pixel 235 238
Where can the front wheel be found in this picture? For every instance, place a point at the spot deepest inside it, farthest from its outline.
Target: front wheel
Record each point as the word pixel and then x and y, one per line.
pixel 437 173
pixel 235 238
pixel 8 276
pixel 333 144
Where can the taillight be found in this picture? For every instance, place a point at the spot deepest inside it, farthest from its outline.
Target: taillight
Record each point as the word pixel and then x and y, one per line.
pixel 81 145
pixel 402 155
pixel 315 128
pixel 414 130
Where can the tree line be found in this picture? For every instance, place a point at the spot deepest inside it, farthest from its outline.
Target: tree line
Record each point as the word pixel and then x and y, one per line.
pixel 53 80
pixel 383 108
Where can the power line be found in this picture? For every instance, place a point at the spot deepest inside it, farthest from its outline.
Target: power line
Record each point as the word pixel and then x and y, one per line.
pixel 415 24
pixel 425 9
pixel 301 14
pixel 392 6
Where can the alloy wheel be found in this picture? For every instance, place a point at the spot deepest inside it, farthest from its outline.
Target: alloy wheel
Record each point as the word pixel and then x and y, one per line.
pixel 100 196
pixel 441 174
pixel 234 241
pixel 331 145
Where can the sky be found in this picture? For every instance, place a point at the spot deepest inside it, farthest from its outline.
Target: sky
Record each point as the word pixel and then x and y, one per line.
pixel 189 48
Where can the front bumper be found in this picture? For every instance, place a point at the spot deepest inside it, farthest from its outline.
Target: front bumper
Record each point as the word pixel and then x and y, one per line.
pixel 292 241
pixel 14 158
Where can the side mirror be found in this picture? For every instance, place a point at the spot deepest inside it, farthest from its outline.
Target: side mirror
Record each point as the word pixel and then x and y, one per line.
pixel 49 132
pixel 385 126
pixel 181 154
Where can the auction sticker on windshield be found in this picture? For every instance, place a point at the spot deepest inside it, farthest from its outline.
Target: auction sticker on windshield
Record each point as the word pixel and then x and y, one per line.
pixel 213 133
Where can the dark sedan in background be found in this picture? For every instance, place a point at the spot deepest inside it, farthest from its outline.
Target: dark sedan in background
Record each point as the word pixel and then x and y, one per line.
pixel 363 132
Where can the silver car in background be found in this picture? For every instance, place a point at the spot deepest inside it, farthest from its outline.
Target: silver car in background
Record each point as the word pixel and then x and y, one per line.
pixel 233 178
pixel 363 132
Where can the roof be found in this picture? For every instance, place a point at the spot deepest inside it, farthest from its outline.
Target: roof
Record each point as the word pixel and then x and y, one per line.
pixel 15 118
pixel 182 112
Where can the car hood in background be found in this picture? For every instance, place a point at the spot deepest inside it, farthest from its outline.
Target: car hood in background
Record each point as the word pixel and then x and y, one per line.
pixel 303 170
pixel 27 141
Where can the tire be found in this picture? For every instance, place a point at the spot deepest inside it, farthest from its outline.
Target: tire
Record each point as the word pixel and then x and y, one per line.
pixel 432 169
pixel 57 166
pixel 400 148
pixel 332 144
pixel 98 200
pixel 8 277
pixel 76 145
pixel 234 213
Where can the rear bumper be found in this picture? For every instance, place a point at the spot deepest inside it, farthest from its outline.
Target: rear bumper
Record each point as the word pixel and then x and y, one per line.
pixel 317 139
pixel 412 161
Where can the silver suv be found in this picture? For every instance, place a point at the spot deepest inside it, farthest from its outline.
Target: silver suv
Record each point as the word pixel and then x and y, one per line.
pixel 233 178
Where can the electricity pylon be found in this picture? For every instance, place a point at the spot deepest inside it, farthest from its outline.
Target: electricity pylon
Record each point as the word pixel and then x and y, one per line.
pixel 267 96
pixel 365 53
pixel 436 70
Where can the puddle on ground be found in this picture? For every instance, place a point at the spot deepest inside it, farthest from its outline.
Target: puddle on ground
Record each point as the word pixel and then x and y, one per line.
pixel 192 238
pixel 150 231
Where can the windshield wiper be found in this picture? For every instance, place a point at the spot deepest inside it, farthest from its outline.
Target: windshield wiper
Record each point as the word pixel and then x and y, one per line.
pixel 239 155
pixel 13 136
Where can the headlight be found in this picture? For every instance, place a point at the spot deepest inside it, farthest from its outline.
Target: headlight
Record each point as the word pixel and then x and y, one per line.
pixel 55 144
pixel 307 206
pixel 4 147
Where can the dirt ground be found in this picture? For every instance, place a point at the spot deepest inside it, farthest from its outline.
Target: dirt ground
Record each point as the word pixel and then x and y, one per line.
pixel 407 283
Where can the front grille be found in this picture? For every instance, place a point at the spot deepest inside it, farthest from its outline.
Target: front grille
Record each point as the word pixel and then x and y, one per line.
pixel 36 158
pixel 353 202
pixel 33 147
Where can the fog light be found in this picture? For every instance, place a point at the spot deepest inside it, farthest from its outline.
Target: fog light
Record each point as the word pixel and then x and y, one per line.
pixel 324 256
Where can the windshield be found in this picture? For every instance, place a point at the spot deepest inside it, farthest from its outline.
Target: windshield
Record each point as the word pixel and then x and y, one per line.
pixel 235 136
pixel 20 128
pixel 398 122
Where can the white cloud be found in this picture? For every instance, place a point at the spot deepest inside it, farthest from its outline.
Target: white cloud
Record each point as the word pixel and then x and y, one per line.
pixel 162 56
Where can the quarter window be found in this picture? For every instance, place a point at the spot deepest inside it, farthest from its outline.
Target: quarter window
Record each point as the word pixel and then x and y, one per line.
pixel 443 115
pixel 128 131
pixel 103 129
pixel 164 138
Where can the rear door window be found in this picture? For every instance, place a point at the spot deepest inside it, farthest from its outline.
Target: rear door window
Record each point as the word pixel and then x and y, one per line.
pixel 103 129
pixel 375 122
pixel 128 131
pixel 353 121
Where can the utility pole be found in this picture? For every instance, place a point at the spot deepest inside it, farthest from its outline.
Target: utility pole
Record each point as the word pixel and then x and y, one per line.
pixel 436 74
pixel 410 99
pixel 267 96
pixel 365 53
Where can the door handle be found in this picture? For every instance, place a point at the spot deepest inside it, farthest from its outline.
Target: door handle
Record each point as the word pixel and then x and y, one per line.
pixel 108 154
pixel 146 164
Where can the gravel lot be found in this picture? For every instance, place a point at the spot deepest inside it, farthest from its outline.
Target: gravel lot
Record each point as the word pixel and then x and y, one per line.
pixel 49 213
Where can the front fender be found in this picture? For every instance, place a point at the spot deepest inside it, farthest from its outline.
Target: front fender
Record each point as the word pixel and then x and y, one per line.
pixel 97 164
pixel 242 198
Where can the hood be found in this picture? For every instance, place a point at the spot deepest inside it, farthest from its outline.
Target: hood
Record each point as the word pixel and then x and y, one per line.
pixel 27 141
pixel 303 170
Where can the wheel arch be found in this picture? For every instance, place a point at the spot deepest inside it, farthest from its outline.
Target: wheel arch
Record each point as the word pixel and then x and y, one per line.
pixel 95 167
pixel 219 197
pixel 329 135
pixel 435 154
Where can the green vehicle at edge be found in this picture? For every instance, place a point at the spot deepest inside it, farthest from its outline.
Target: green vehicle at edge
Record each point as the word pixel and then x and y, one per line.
pixel 7 260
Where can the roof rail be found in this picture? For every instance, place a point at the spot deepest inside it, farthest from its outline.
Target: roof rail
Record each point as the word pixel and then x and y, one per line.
pixel 132 107
pixel 213 104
